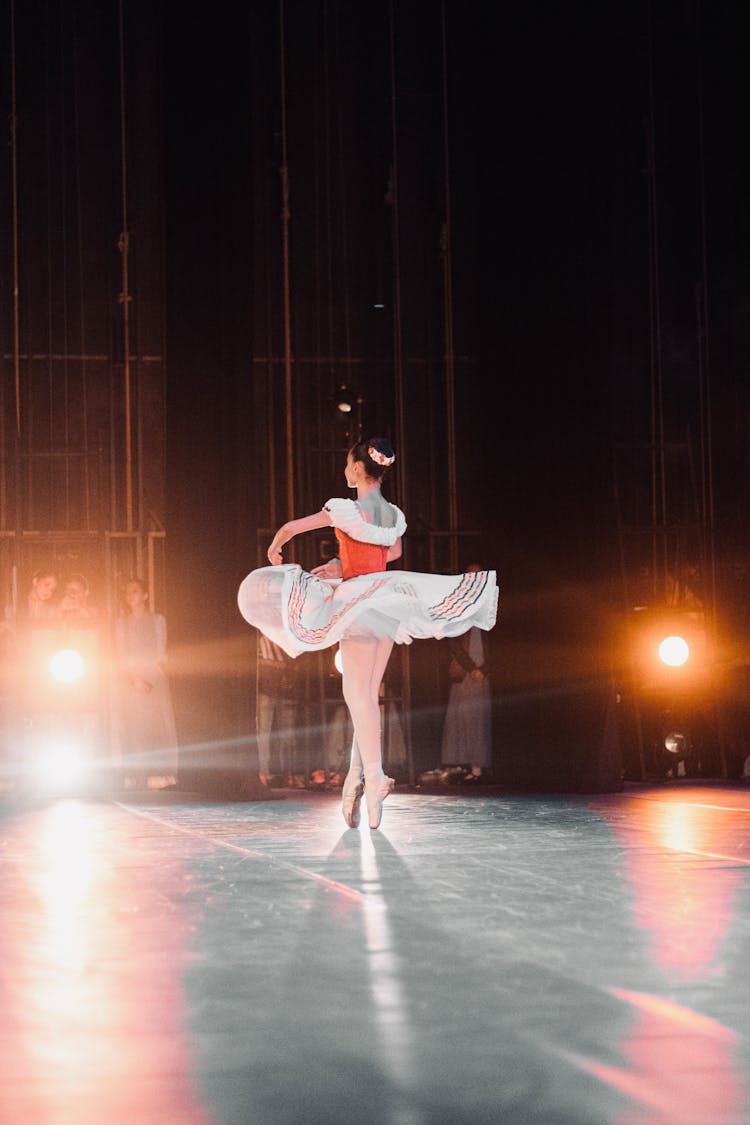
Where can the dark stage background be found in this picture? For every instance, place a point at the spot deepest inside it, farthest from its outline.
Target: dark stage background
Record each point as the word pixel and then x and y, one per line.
pixel 549 139
pixel 585 165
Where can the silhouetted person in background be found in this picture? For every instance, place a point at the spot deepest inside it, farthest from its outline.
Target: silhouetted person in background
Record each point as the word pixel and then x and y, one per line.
pixel 276 711
pixel 147 718
pixel 74 606
pixel 40 600
pixel 467 732
pixel 686 588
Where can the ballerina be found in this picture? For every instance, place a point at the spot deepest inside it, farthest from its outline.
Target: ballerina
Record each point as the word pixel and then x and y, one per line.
pixel 354 602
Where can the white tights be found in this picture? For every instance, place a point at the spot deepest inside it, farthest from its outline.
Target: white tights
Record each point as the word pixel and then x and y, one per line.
pixel 364 661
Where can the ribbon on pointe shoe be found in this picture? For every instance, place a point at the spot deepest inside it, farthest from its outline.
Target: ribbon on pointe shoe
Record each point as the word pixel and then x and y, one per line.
pixel 351 795
pixel 375 795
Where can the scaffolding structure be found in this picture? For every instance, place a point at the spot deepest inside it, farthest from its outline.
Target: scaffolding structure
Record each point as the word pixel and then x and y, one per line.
pixel 663 471
pixel 82 386
pixel 323 340
pixel 341 296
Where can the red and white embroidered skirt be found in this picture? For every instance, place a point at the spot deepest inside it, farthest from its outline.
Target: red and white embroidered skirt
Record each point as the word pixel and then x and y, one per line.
pixel 303 613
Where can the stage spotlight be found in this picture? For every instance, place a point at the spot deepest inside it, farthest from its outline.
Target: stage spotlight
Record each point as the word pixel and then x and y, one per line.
pixel 346 400
pixel 67 666
pixel 674 651
pixel 676 742
pixel 60 761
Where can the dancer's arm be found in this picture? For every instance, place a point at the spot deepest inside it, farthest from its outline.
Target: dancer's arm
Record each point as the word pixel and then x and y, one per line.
pixel 330 569
pixel 394 552
pixel 293 527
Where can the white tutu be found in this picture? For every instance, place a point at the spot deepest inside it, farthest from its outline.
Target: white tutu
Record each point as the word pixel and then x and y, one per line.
pixel 303 613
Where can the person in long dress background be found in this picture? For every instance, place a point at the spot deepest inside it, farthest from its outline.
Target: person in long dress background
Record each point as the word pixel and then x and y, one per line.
pixel 467 731
pixel 277 712
pixel 147 723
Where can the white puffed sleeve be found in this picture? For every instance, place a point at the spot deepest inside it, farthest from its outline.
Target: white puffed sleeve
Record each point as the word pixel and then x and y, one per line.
pixel 346 516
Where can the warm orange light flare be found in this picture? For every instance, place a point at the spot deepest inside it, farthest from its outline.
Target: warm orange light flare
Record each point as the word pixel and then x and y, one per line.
pixel 684 904
pixel 67 666
pixel 674 651
pixel 91 977
pixel 701 1082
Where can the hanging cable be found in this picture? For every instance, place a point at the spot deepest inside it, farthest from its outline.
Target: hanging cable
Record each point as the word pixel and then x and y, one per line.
pixel 33 426
pixel 658 483
pixel 318 99
pixel 704 375
pixel 450 388
pixel 84 410
pixel 398 367
pixel 327 100
pixel 343 214
pixel 125 298
pixel 289 414
pixel 16 348
pixel 704 367
pixel 14 172
pixel 63 273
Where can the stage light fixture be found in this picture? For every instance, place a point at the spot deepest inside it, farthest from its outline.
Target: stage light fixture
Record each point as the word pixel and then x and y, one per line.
pixel 67 666
pixel 674 651
pixel 347 400
pixel 676 742
pixel 60 761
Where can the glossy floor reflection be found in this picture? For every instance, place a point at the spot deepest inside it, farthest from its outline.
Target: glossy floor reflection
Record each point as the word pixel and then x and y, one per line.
pixel 487 958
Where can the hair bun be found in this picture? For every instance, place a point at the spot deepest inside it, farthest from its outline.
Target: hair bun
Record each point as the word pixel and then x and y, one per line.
pixel 380 458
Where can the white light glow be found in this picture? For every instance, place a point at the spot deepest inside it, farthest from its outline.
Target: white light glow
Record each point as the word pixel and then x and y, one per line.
pixel 675 742
pixel 337 661
pixel 674 651
pixel 60 762
pixel 67 666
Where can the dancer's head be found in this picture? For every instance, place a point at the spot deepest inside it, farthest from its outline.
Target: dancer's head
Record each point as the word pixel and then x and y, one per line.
pixel 136 595
pixel 43 585
pixel 77 587
pixel 374 455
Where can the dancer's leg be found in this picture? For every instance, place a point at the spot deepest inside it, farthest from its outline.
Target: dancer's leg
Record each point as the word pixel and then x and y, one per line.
pixel 380 662
pixel 355 758
pixel 355 679
pixel 353 787
pixel 265 709
pixel 380 657
pixel 364 662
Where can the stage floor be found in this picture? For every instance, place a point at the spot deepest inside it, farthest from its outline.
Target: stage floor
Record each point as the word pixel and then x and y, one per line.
pixel 492 957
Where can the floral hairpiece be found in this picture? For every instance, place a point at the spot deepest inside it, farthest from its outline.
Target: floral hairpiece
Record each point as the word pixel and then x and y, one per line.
pixel 380 458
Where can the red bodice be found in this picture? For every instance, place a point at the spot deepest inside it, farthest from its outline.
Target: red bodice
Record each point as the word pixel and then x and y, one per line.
pixel 359 558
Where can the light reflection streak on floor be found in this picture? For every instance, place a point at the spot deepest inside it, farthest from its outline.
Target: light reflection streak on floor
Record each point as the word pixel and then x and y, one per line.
pixel 684 904
pixel 562 960
pixel 678 1064
pixel 386 973
pixel 91 1000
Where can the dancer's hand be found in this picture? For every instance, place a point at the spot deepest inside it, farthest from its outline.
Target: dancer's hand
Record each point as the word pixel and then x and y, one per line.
pixel 331 569
pixel 274 553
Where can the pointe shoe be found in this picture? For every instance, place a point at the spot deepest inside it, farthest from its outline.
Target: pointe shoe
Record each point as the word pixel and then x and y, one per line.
pixel 375 795
pixel 351 795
